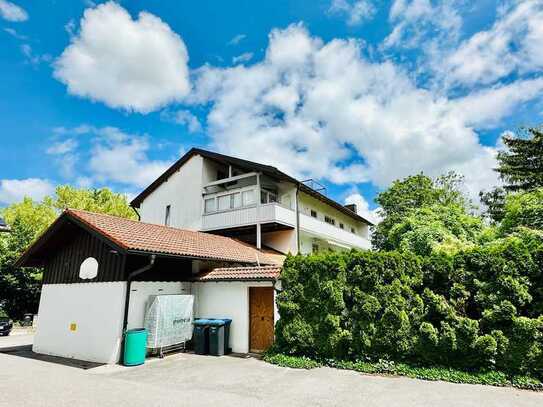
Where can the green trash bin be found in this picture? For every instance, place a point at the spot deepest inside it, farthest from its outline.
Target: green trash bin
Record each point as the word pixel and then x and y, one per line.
pixel 135 347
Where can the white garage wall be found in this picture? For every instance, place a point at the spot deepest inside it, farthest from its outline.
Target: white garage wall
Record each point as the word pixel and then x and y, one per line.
pixel 228 300
pixel 96 309
pixel 140 291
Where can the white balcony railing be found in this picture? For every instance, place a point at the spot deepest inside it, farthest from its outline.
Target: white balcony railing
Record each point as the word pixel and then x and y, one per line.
pixel 325 231
pixel 265 213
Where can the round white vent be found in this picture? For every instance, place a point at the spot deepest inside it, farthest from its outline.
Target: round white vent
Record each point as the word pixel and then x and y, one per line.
pixel 89 268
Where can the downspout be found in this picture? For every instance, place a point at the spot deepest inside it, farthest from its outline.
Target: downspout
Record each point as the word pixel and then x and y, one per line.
pixel 129 280
pixel 297 219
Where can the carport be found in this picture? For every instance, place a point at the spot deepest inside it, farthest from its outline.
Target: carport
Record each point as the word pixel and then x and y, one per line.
pixel 99 271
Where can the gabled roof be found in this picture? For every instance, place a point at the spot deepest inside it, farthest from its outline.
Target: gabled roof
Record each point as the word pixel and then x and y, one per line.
pixel 241 274
pixel 134 237
pixel 268 170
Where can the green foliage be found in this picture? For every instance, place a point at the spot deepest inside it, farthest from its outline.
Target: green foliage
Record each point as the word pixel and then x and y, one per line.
pixel 523 210
pixel 521 166
pixel 295 362
pixel 387 367
pixel 479 308
pixel 423 215
pixel 20 288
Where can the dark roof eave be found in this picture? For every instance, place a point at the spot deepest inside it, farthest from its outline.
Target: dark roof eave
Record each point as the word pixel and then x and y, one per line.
pixel 179 256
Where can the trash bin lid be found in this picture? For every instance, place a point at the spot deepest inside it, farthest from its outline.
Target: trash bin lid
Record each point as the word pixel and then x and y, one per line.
pixel 215 322
pixel 202 321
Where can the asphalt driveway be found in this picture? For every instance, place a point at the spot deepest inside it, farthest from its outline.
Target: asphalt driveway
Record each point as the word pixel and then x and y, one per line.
pixel 191 380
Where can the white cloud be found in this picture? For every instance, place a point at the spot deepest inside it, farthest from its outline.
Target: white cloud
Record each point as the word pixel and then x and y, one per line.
pixel 137 65
pixel 513 44
pixel 12 12
pixel 421 24
pixel 121 157
pixel 356 11
pixel 15 34
pixel 62 147
pixel 237 39
pixel 245 57
pixel 33 58
pixel 14 190
pixel 183 117
pixel 324 111
pixel 363 207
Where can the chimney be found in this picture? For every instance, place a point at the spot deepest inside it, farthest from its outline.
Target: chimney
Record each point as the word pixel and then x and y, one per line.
pixel 351 207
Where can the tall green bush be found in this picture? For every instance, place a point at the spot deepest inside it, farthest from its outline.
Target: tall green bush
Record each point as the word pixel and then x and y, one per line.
pixel 479 308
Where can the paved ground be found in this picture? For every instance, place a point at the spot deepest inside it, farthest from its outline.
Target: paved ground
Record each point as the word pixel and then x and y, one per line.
pixel 191 380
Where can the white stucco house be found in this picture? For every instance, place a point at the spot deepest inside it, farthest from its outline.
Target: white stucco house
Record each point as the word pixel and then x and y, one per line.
pixel 212 226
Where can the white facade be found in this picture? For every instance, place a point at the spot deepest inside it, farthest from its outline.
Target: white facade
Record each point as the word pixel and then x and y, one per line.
pixel 225 299
pixel 183 193
pixel 198 200
pixel 85 320
pixel 81 321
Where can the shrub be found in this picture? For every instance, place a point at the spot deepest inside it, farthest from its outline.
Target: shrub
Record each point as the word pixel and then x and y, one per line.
pixel 477 309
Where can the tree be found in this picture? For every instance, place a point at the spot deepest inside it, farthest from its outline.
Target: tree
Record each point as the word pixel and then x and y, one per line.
pixel 521 166
pixel 411 194
pixel 20 288
pixel 493 203
pixel 436 228
pixel 523 210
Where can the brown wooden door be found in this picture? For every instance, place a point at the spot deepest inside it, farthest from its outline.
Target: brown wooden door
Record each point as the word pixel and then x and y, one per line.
pixel 261 318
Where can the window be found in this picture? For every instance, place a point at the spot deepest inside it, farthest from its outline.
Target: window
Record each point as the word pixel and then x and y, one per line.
pixel 221 175
pixel 267 196
pixel 341 226
pixel 223 202
pixel 248 198
pixel 315 248
pixel 236 200
pixel 313 213
pixel 209 205
pixel 167 215
pixel 329 220
pixel 353 230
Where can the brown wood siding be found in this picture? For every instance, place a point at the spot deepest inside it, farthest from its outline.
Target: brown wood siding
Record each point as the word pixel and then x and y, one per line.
pixel 64 260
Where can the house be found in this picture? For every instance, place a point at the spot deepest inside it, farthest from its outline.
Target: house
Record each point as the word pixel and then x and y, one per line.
pixel 213 226
pixel 100 270
pixel 256 203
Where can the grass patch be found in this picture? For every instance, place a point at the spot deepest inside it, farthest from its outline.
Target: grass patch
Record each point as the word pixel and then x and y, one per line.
pixel 386 367
pixel 295 362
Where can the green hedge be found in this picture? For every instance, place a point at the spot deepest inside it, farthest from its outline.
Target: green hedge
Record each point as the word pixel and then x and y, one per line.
pixel 479 309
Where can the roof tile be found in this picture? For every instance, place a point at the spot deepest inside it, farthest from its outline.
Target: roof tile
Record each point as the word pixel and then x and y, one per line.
pixel 241 273
pixel 158 239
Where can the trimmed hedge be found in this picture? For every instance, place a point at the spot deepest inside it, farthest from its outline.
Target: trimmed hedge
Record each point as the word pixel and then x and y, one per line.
pixel 479 309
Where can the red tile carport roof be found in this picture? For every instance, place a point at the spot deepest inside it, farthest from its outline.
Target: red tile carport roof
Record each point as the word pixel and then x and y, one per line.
pixel 133 235
pixel 241 273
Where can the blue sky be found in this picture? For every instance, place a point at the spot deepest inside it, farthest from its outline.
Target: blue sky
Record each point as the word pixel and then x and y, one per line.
pixel 355 93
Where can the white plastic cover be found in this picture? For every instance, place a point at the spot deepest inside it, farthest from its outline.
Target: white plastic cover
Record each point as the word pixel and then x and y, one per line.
pixel 168 320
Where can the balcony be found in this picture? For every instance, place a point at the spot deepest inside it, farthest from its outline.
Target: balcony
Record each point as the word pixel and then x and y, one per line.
pixel 250 215
pixel 324 231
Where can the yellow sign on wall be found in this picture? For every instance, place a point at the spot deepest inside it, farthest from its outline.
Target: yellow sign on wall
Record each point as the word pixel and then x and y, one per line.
pixel 73 327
